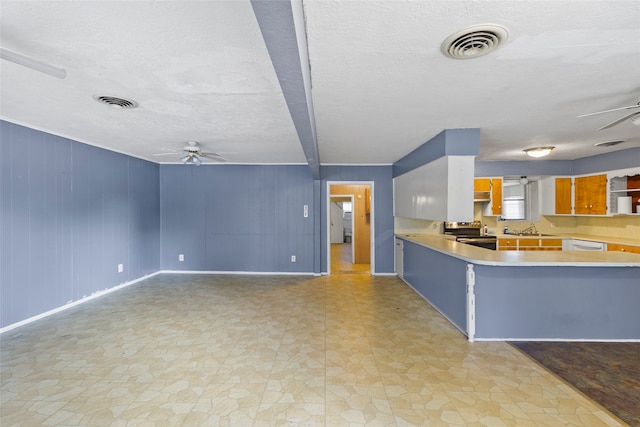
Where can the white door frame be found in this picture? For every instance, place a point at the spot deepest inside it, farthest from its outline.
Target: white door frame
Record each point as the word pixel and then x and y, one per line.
pixel 372 250
pixel 353 250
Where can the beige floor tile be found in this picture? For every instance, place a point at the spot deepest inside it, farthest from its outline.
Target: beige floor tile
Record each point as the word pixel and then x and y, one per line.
pixel 213 350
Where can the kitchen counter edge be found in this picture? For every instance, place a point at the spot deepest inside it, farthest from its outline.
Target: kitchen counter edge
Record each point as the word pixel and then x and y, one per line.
pixel 480 256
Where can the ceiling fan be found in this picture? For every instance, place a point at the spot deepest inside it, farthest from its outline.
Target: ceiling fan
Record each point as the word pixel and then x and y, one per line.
pixel 192 155
pixel 634 113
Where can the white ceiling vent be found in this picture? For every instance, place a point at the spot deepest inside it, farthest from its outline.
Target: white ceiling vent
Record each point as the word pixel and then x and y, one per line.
pixel 114 102
pixel 474 41
pixel 608 143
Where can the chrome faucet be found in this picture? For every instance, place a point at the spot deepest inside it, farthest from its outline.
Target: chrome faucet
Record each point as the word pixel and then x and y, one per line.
pixel 529 230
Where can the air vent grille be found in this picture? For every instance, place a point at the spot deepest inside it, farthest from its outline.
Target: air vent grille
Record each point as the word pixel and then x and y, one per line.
pixel 115 102
pixel 608 143
pixel 475 41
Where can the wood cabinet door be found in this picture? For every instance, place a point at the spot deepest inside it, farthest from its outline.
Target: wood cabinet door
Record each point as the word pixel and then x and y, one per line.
pixel 481 185
pixel 623 248
pixel 591 195
pixel 598 194
pixel 496 196
pixel 563 196
pixel 581 194
pixel 508 244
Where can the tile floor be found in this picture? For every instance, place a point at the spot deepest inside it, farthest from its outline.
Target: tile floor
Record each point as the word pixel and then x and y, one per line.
pixel 341 350
pixel 341 257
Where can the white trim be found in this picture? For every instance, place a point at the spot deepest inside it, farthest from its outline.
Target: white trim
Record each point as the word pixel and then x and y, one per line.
pixel 94 295
pixel 558 339
pixel 215 163
pixel 241 273
pixel 372 230
pixel 356 164
pixel 82 141
pixel 71 138
pixel 384 274
pixel 353 230
pixel 471 303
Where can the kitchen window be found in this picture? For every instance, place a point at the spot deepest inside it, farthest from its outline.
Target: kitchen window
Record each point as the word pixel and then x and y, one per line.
pixel 520 201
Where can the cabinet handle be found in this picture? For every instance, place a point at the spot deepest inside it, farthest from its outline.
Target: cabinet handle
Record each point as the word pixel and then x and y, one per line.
pixel 622 249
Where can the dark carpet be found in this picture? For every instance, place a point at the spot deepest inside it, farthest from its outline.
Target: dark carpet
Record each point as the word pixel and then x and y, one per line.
pixel 608 373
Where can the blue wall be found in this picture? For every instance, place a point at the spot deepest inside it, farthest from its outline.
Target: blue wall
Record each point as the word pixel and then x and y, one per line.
pixel 621 159
pixel 237 218
pixel 449 142
pixel 383 209
pixel 70 213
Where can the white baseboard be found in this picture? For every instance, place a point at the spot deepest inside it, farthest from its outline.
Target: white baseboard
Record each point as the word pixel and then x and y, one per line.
pixel 94 295
pixel 245 273
pixel 557 339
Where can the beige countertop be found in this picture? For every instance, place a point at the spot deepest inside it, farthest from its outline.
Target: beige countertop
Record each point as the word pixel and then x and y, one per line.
pixel 475 255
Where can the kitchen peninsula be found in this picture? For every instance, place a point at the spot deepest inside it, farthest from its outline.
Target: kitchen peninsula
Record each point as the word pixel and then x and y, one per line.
pixel 525 295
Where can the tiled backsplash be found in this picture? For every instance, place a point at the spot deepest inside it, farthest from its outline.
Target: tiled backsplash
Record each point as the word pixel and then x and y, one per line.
pixel 626 226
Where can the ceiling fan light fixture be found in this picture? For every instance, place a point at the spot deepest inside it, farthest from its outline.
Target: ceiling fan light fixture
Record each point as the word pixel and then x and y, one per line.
pixel 191 159
pixel 537 152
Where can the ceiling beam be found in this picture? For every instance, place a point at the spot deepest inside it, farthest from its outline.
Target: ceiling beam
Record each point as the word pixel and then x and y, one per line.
pixel 282 25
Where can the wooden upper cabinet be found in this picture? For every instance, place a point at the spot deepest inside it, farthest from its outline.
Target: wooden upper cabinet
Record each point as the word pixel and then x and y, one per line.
pixel 598 203
pixel 496 196
pixel 563 196
pixel 591 195
pixel 481 185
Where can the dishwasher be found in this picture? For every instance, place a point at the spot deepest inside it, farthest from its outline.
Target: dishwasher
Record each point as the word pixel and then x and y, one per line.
pixel 586 245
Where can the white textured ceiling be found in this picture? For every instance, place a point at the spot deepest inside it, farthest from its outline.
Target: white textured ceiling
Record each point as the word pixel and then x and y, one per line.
pixel 200 71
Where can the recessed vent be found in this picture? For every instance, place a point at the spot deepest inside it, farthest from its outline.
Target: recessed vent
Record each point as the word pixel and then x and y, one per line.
pixel 115 102
pixel 608 143
pixel 475 41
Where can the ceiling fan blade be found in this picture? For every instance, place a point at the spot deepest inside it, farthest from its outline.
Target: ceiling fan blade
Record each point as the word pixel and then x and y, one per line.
pixel 213 156
pixel 34 64
pixel 167 154
pixel 609 111
pixel 620 120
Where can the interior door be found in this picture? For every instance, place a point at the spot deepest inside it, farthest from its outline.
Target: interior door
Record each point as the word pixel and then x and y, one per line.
pixel 337 224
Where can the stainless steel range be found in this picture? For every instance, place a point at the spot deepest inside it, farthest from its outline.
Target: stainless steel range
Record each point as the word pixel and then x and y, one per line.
pixel 471 234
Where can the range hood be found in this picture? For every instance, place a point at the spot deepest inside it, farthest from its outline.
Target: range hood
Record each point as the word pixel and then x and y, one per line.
pixel 481 196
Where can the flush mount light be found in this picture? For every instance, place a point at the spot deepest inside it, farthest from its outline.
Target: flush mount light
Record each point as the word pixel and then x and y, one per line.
pixel 539 151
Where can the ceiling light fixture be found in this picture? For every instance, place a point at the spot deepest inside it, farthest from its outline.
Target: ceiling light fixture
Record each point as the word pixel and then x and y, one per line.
pixel 191 159
pixel 539 151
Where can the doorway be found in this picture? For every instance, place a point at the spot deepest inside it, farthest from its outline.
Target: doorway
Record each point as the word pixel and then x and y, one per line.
pixel 350 234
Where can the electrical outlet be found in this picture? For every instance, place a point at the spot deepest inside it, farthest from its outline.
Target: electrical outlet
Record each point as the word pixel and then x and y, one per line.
pixel 293 258
pixel 120 268
pixel 181 257
pixel 306 211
